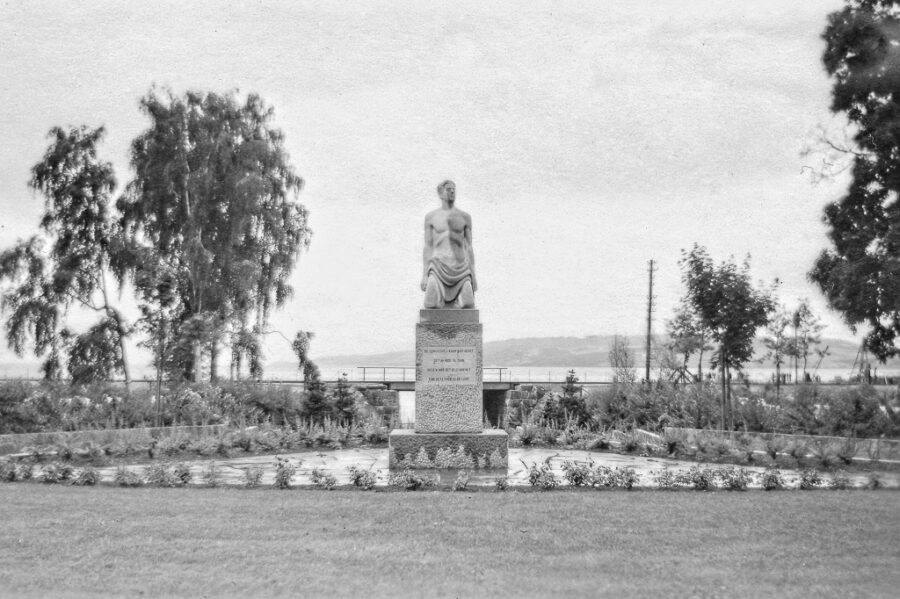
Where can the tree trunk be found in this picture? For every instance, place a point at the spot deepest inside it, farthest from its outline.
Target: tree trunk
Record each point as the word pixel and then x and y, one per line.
pixel 724 392
pixel 198 355
pixel 213 362
pixel 700 365
pixel 777 379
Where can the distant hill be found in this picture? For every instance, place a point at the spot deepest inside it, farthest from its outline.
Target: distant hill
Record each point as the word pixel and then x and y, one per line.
pixel 548 352
pixel 573 352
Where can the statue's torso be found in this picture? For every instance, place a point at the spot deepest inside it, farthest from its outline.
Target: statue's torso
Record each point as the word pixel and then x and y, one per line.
pixel 449 236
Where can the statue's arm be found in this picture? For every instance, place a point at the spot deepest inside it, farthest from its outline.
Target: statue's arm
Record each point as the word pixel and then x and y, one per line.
pixel 468 236
pixel 426 251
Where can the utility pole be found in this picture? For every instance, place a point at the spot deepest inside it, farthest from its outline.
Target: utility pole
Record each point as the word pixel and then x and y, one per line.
pixel 649 322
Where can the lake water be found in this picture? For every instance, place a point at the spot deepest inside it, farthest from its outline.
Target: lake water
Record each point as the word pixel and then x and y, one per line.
pixel 537 374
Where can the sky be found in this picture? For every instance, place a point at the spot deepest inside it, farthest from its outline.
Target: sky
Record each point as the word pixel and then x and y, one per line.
pixel 585 139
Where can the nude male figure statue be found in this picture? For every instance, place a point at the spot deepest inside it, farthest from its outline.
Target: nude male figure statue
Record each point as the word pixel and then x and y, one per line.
pixel 448 271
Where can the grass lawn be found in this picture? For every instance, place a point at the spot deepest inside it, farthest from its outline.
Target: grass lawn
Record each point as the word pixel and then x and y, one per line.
pixel 69 541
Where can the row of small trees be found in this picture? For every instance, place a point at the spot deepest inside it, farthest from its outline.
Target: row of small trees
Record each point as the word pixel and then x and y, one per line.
pixel 204 235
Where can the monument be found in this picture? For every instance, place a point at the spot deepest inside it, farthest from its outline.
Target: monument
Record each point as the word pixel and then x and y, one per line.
pixel 448 428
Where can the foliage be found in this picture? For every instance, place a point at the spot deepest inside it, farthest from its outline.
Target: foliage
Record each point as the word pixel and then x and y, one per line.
pixel 212 475
pixel 621 360
pixel 56 473
pixel 840 481
pixel 807 328
pixel 87 476
pixel 210 225
pixel 410 480
pixel 772 480
pixel 127 478
pixel 687 336
pixel 859 274
pixel 541 476
pixel 68 265
pixel 501 483
pixel 284 473
pixel 697 478
pixel 665 478
pixel 735 479
pixel 364 479
pixel 730 308
pixel 780 346
pixel 322 480
pixel 163 474
pixel 252 476
pixel 810 479
pixel 462 480
pixel 578 474
pixel 343 401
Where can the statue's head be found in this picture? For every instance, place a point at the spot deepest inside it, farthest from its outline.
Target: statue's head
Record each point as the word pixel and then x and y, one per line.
pixel 447 191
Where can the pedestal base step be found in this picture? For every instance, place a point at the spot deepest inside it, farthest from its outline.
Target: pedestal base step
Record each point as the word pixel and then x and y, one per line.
pixel 462 451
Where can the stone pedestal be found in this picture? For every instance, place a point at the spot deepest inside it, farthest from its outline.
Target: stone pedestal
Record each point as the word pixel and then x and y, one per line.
pixel 449 413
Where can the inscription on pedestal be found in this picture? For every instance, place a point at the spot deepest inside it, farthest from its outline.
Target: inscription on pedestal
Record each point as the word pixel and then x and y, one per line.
pixel 449 365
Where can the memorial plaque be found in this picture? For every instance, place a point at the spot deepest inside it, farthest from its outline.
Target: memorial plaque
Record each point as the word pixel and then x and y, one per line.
pixel 449 365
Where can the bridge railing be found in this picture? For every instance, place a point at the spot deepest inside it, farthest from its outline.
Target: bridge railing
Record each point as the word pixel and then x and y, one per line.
pixel 380 374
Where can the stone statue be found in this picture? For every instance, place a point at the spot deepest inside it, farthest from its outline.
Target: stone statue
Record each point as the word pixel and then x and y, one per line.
pixel 448 270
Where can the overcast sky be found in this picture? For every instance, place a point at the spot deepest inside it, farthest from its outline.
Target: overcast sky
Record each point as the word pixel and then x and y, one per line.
pixel 584 139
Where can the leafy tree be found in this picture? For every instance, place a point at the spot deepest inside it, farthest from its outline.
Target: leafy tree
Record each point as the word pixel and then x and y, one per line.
pixel 621 359
pixel 343 405
pixel 779 344
pixel 315 403
pixel 730 308
pixel 860 273
pixel 807 334
pixel 68 266
pixel 210 222
pixel 687 337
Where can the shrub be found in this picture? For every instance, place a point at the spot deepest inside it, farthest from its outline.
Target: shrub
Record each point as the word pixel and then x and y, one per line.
pixel 211 475
pixel 422 460
pixel 56 473
pixel 840 481
pixel 772 480
pixel 7 472
pixel 25 471
pixel 578 475
pixel 323 480
pixel 364 479
pixel 496 460
pixel 126 478
pixel 161 474
pixel 182 472
pixel 847 451
pixel 735 479
pixel 541 476
pixel 623 478
pixel 501 483
pixel 87 476
pixel 284 473
pixel 810 479
pixel 443 458
pixel 252 476
pixel 665 478
pixel 410 480
pixel 874 481
pixel 462 481
pixel 774 445
pixel 462 460
pixel 699 479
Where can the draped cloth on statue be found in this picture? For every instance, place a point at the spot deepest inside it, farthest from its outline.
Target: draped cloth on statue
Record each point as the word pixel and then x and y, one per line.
pixel 452 277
